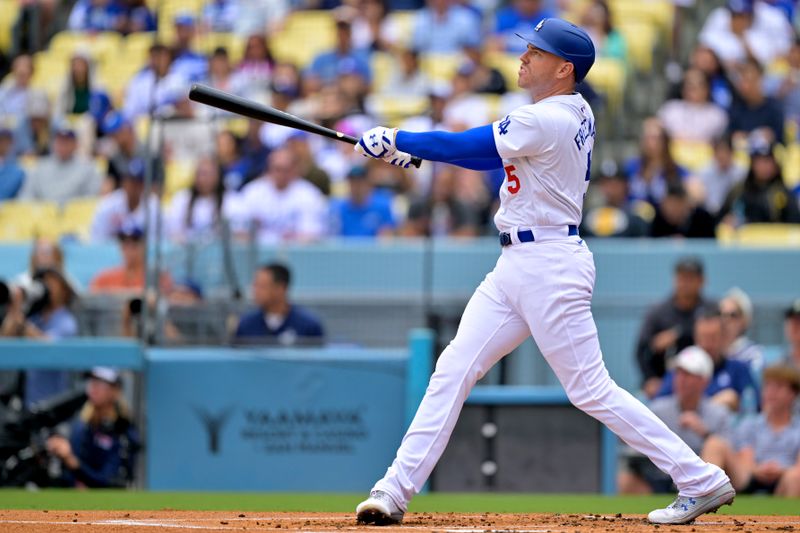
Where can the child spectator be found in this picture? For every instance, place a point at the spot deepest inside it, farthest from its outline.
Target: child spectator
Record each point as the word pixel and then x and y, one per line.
pixel 763 453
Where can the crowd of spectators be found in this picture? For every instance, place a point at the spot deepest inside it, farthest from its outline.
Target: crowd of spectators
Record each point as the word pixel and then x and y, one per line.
pixel 715 387
pixel 738 95
pixel 738 92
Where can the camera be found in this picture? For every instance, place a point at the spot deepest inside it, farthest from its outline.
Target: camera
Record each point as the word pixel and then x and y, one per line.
pixel 34 296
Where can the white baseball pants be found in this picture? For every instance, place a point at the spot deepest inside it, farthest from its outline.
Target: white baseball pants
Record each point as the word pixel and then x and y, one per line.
pixel 544 289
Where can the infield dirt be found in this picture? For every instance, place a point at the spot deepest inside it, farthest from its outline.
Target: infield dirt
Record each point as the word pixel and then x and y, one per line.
pixel 12 521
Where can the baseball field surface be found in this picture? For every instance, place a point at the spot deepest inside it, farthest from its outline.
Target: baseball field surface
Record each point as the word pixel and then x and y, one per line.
pixel 116 511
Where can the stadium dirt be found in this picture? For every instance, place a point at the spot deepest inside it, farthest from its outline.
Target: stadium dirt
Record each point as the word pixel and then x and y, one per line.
pixel 192 521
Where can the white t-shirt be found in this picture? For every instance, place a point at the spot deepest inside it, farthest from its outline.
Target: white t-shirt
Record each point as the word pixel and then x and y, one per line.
pixel 546 149
pixel 300 211
pixel 769 36
pixel 112 214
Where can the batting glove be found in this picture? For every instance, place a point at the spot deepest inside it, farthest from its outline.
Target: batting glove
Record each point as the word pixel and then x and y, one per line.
pixel 377 143
pixel 398 159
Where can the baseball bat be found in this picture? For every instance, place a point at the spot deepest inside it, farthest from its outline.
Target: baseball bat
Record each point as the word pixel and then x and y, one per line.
pixel 240 106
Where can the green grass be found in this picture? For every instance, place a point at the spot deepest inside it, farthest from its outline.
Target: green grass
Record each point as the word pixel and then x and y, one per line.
pixel 345 503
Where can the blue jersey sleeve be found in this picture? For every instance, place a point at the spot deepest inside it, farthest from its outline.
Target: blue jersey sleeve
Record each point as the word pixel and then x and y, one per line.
pixel 447 147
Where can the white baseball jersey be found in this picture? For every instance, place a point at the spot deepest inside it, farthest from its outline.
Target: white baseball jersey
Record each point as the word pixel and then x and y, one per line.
pixel 547 152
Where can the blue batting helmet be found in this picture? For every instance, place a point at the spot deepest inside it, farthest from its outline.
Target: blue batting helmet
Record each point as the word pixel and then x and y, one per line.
pixel 565 40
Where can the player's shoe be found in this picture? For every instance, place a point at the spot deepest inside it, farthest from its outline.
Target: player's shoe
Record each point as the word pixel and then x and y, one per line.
pixel 685 509
pixel 379 509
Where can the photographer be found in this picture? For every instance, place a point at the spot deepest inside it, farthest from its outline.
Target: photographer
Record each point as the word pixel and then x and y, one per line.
pixel 103 443
pixel 41 311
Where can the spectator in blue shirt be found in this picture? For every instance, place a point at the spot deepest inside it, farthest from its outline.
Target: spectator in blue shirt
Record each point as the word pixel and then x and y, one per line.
pixel 444 27
pixel 731 378
pixel 96 15
pixel 276 320
pixel 11 174
pixel 103 443
pixel 187 64
pixel 50 318
pixel 519 17
pixel 327 67
pixel 366 212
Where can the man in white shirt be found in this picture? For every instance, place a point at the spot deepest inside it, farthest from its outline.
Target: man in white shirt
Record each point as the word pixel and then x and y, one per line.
pixel 747 27
pixel 123 207
pixel 282 205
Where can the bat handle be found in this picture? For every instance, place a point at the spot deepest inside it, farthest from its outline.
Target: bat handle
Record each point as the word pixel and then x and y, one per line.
pixel 416 161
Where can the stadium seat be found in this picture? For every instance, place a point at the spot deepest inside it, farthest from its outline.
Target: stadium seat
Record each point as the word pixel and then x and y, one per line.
pixel 9 10
pixel 608 77
pixel 50 71
pixel 305 34
pixel 791 165
pixel 507 64
pixel 393 108
pixel 77 216
pixel 692 155
pixel 640 39
pixel 178 175
pixel 231 42
pixel 381 64
pixel 657 12
pixel 23 220
pixel 769 235
pixel 103 46
pixel 440 67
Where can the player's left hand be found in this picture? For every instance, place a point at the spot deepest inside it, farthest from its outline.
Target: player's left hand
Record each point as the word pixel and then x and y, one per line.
pixel 398 159
pixel 377 143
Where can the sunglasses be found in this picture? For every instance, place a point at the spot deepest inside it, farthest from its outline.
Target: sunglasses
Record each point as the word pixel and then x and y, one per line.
pixel 732 314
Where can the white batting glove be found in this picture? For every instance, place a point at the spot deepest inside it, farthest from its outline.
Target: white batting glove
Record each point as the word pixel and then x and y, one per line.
pixel 377 143
pixel 398 159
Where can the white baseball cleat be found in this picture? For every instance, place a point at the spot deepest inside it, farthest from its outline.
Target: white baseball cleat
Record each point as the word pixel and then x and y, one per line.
pixel 379 509
pixel 685 508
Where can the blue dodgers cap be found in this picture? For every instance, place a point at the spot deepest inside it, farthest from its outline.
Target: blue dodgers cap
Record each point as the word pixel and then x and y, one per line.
pixel 565 40
pixel 184 18
pixel 741 6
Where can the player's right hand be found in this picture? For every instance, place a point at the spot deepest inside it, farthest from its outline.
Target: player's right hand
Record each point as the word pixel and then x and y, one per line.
pixel 377 143
pixel 398 159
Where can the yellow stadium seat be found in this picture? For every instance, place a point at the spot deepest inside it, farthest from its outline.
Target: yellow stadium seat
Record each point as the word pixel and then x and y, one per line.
pixel 395 108
pixel 381 64
pixel 23 220
pixel 103 46
pixel 77 217
pixel 237 125
pixel 769 235
pixel 137 45
pixel 234 44
pixel 49 73
pixel 507 64
pixel 658 12
pixel 608 77
pixel 9 10
pixel 178 175
pixel 691 154
pixel 304 35
pixel 791 165
pixel 440 67
pixel 640 39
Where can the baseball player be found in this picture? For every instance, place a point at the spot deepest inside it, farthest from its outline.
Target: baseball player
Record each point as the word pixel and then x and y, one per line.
pixel 542 283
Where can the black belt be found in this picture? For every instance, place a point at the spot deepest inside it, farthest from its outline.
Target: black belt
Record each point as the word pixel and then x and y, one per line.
pixel 527 235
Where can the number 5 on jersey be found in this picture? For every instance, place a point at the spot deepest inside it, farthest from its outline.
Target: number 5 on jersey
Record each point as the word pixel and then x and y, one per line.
pixel 513 181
